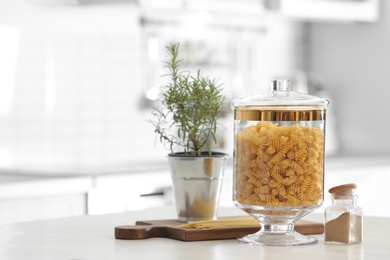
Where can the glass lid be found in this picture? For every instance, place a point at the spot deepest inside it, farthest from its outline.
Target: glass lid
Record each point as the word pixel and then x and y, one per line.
pixel 280 95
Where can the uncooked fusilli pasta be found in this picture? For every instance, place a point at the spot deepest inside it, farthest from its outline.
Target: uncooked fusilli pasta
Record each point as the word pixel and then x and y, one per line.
pixel 279 166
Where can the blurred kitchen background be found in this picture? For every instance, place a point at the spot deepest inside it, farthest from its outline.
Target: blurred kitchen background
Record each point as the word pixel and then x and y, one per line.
pixel 79 79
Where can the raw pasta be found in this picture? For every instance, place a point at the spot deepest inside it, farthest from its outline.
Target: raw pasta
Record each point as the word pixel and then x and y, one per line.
pixel 279 166
pixel 230 222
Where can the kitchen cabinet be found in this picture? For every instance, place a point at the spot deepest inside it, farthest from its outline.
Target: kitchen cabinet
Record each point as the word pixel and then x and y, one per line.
pixel 25 197
pixel 129 191
pixel 331 10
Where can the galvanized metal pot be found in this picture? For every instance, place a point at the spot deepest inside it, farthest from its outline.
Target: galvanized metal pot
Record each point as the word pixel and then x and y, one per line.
pixel 197 182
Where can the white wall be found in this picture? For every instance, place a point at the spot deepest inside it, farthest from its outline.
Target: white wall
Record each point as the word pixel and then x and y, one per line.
pixel 70 100
pixel 73 80
pixel 354 61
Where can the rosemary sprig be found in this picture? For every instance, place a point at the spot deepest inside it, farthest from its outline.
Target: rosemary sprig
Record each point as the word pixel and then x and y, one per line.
pixel 190 107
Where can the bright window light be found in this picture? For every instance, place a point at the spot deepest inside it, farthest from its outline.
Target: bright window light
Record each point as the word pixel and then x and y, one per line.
pixel 9 39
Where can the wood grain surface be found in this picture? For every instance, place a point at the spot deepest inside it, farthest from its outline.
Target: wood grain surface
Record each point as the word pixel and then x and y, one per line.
pixel 169 229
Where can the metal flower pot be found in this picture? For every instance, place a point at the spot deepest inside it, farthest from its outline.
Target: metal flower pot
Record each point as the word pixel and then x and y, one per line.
pixel 196 183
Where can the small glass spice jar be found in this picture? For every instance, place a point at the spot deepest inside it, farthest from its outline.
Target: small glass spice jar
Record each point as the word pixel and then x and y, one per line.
pixel 344 219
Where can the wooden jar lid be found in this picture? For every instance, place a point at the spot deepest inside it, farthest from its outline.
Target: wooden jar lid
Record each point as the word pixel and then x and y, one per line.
pixel 343 190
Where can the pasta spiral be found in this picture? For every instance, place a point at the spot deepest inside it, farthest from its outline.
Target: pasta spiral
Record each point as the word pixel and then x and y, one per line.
pixel 279 166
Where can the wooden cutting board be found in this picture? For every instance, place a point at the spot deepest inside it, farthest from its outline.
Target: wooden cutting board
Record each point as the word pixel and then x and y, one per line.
pixel 170 229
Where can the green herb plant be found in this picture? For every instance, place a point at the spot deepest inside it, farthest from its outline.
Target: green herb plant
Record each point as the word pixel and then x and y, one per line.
pixel 190 107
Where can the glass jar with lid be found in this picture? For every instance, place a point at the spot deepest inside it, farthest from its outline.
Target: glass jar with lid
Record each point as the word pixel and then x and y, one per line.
pixel 344 218
pixel 279 138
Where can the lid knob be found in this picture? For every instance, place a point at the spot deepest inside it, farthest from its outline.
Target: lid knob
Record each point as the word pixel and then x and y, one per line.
pixel 280 85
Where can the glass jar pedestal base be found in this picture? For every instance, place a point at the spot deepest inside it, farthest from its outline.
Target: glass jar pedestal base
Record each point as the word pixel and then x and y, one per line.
pixel 277 227
pixel 267 237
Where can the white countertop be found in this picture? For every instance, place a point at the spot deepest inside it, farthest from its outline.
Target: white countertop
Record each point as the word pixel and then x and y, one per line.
pixel 92 237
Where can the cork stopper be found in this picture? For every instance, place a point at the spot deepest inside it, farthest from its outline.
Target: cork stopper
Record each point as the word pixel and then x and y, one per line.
pixel 343 190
